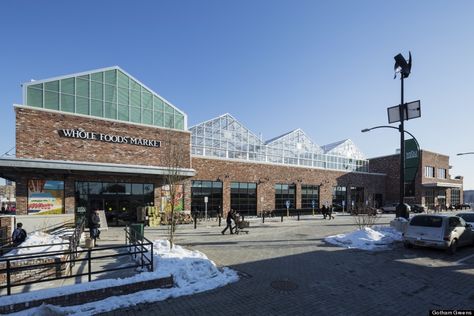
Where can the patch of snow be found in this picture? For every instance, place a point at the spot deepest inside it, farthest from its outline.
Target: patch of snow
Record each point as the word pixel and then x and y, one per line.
pixel 51 242
pixel 375 238
pixel 192 272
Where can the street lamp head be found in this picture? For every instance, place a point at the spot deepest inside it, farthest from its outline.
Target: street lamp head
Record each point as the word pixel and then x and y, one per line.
pixel 402 66
pixel 365 130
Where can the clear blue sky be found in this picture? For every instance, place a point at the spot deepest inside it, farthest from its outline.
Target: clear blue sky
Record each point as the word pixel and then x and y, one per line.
pixel 323 66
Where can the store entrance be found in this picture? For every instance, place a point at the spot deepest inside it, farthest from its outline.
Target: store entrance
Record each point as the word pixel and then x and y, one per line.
pixel 119 201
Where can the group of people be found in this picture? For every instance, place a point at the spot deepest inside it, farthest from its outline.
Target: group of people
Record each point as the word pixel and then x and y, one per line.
pixel 327 212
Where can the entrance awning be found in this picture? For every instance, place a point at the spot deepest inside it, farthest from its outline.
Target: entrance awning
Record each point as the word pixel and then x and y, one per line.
pixel 442 185
pixel 11 166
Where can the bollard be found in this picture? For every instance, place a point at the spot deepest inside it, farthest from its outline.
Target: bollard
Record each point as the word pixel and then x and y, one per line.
pixel 195 220
pixel 243 217
pixel 220 220
pixel 282 217
pixel 298 215
pixel 263 217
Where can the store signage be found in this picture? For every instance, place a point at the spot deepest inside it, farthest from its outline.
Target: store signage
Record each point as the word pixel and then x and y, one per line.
pixel 108 138
pixel 412 161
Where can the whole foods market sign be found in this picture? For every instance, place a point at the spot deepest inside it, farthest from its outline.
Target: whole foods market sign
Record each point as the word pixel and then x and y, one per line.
pixel 108 138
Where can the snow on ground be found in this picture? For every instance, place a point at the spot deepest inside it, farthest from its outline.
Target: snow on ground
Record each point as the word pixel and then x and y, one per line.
pixel 51 242
pixel 367 238
pixel 192 272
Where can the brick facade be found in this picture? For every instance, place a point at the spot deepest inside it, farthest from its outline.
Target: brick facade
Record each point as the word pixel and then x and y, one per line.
pixel 267 175
pixel 390 165
pixel 37 137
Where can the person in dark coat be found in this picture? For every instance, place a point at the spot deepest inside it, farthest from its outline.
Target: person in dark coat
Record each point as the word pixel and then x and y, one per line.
pixel 19 234
pixel 324 211
pixel 230 217
pixel 94 226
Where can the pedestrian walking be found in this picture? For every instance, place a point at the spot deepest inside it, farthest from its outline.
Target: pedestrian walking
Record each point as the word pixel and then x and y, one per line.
pixel 230 217
pixel 329 212
pixel 324 211
pixel 94 226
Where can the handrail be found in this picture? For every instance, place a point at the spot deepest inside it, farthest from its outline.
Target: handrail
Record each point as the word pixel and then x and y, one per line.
pixel 72 255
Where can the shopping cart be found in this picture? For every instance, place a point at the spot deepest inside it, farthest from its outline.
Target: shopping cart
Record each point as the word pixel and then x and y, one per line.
pixel 240 225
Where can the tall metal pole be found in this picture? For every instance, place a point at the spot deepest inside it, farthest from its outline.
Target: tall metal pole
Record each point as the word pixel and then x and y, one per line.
pixel 402 147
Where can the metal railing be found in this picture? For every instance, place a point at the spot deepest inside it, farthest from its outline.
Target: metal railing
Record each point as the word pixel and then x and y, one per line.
pixel 137 243
pixel 11 266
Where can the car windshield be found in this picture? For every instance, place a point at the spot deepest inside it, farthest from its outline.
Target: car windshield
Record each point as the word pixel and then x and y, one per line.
pixel 467 217
pixel 426 221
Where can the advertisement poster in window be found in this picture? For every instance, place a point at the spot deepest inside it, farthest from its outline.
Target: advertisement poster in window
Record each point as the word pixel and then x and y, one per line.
pixel 45 197
pixel 166 197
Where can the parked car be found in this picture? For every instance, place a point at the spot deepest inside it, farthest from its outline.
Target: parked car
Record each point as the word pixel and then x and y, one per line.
pixel 389 208
pixel 461 206
pixel 417 208
pixel 438 231
pixel 468 217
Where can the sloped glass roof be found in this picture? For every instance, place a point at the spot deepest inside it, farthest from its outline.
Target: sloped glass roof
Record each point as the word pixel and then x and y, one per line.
pixel 344 148
pixel 108 93
pixel 225 137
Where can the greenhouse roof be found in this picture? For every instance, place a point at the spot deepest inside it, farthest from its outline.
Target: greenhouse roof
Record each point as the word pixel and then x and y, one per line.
pixel 108 93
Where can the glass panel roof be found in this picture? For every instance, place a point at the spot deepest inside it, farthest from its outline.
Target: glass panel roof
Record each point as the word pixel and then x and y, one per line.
pixel 109 93
pixel 225 137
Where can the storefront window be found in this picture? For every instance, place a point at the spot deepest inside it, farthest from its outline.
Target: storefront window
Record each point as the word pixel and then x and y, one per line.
pixel 45 197
pixel 339 196
pixel 455 196
pixel 213 191
pixel 243 197
pixel 283 193
pixel 309 193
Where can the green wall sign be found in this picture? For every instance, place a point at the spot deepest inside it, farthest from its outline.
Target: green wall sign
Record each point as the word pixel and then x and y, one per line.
pixel 412 161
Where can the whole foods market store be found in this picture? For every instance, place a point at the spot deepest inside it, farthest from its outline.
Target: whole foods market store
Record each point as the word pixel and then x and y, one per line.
pixel 60 187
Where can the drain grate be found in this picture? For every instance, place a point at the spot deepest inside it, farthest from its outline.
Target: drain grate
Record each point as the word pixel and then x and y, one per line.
pixel 284 285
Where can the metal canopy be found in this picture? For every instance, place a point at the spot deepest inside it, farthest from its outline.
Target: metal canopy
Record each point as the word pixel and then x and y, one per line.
pixel 16 165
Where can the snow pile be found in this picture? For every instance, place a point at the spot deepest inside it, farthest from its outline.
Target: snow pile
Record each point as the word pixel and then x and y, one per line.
pixel 375 238
pixel 52 243
pixel 192 272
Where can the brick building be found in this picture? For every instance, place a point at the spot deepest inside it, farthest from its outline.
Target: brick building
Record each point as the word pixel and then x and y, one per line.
pixel 103 140
pixel 434 185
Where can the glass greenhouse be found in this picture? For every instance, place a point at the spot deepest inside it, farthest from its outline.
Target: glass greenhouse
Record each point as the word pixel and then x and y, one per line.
pixel 108 93
pixel 225 137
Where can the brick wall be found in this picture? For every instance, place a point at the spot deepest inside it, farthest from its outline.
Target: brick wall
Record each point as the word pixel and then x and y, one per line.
pixel 267 175
pixel 50 268
pixel 390 165
pixel 37 137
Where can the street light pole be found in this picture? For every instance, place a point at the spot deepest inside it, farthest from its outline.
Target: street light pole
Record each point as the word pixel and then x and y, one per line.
pixel 468 153
pixel 402 148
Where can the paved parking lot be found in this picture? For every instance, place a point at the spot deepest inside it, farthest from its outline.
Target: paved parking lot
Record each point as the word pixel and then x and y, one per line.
pixel 287 269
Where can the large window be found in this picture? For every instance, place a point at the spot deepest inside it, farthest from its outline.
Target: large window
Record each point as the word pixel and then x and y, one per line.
pixel 45 197
pixel 283 193
pixel 429 172
pixel 357 197
pixel 210 189
pixel 309 193
pixel 339 196
pixel 243 197
pixel 429 199
pixel 441 173
pixel 109 94
pixel 455 196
